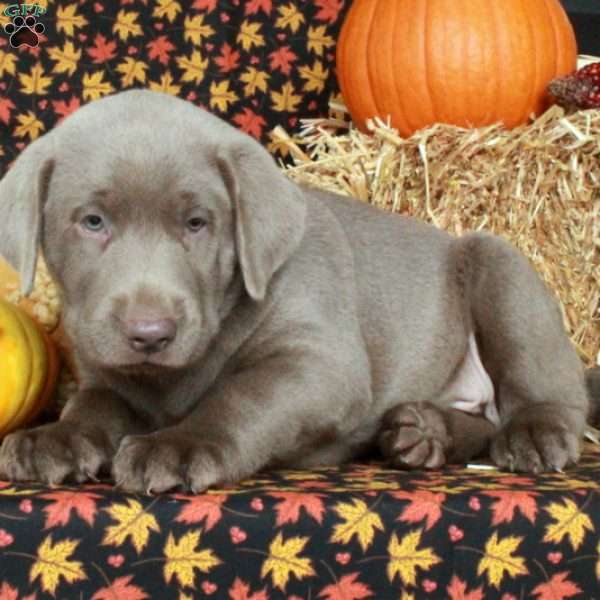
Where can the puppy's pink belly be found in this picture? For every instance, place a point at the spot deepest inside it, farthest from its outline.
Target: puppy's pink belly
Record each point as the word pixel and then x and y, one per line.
pixel 471 389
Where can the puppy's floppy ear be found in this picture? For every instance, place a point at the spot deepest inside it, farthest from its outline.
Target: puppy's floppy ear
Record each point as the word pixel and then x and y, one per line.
pixel 23 192
pixel 269 212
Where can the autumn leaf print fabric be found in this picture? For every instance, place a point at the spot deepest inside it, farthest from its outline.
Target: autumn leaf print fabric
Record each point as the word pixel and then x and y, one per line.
pixel 255 63
pixel 348 533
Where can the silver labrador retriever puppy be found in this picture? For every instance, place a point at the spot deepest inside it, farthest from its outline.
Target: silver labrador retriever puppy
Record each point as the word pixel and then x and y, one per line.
pixel 225 319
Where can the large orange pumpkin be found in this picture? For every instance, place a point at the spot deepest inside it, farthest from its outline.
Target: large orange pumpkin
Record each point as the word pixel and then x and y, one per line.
pixel 463 62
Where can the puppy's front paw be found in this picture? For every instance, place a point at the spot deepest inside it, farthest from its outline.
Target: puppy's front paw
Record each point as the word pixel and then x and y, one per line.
pixel 414 435
pixel 161 461
pixel 534 442
pixel 54 453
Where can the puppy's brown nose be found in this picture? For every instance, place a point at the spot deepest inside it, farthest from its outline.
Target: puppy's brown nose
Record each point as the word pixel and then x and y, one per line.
pixel 150 335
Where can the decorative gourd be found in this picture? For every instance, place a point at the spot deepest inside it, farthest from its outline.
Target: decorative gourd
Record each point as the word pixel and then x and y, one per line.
pixel 42 304
pixel 29 368
pixel 464 62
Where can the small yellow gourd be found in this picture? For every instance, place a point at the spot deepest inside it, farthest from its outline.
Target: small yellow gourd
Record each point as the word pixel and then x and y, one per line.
pixel 29 367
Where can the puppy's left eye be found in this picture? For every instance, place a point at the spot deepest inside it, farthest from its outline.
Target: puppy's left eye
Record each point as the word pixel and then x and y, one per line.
pixel 94 223
pixel 195 224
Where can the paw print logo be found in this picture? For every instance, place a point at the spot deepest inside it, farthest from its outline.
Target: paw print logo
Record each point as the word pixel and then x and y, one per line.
pixel 24 31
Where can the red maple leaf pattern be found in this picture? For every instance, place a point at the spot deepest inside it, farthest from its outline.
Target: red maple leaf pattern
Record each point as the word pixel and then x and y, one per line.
pixel 508 501
pixel 6 105
pixel 7 592
pixel 160 49
pixel 198 508
pixel 282 59
pixel 207 5
pixel 228 60
pixel 241 591
pixel 63 108
pixel 557 588
pixel 423 505
pixel 121 589
pixel 253 6
pixel 249 122
pixel 102 50
pixel 288 510
pixel 328 9
pixel 347 588
pixel 457 590
pixel 64 502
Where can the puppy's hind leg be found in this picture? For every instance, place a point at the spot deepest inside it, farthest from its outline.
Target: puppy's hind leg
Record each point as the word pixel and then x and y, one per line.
pixel 537 375
pixel 422 435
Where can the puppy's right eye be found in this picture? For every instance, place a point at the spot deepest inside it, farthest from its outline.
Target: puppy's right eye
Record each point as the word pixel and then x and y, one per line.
pixel 93 223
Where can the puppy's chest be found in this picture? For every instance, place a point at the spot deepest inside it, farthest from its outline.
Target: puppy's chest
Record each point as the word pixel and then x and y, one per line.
pixel 163 405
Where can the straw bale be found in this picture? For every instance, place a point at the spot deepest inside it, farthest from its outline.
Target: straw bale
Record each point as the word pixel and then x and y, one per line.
pixel 538 186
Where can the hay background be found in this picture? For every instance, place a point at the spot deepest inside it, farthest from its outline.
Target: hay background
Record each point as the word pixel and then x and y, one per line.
pixel 538 186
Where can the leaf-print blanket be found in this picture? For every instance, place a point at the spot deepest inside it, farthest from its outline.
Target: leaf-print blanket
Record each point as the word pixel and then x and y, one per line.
pixel 359 531
pixel 255 63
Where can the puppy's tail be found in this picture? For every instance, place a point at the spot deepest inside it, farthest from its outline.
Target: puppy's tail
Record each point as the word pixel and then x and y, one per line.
pixel 592 381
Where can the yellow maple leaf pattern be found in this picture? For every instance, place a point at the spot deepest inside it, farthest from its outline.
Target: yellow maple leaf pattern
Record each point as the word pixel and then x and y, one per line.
pixel 167 8
pixel 165 85
pixel 35 82
pixel 95 87
pixel 4 19
pixel 358 521
pixel 183 557
pixel 29 125
pixel 133 522
pixel 315 77
pixel 290 17
pixel 194 29
pixel 498 559
pixel 254 80
pixel 286 99
pixel 570 521
pixel 126 25
pixel 250 35
pixel 11 491
pixel 194 67
pixel 132 70
pixel 66 59
pixel 283 560
pixel 405 557
pixel 68 20
pixel 53 563
pixel 7 63
pixel 221 96
pixel 318 40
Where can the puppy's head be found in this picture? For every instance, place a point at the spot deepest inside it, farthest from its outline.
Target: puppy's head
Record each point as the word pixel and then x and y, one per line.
pixel 149 212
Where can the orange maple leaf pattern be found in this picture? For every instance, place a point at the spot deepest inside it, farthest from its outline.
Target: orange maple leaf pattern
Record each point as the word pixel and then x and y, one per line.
pixel 423 505
pixel 509 501
pixel 288 510
pixel 59 512
pixel 557 588
pixel 207 507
